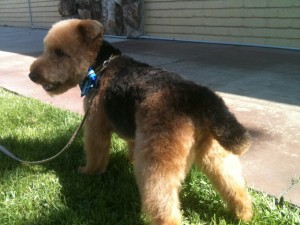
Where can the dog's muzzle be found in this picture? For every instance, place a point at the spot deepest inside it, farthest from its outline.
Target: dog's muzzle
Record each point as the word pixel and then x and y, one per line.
pixel 47 86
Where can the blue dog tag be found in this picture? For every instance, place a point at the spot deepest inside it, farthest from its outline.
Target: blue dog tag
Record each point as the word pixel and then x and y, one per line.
pixel 88 83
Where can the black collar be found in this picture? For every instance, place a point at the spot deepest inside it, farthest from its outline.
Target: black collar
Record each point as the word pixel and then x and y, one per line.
pixel 106 53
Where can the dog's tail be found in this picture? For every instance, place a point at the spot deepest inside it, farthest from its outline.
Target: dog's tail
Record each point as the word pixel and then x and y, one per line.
pixel 224 126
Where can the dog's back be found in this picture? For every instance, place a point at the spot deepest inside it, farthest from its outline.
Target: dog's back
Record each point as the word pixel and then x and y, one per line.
pixel 134 82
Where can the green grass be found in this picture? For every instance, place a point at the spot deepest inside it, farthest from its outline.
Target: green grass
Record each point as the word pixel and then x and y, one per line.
pixel 54 193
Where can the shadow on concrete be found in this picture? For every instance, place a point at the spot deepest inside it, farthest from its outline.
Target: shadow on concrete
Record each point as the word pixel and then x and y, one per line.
pixel 262 73
pixel 24 41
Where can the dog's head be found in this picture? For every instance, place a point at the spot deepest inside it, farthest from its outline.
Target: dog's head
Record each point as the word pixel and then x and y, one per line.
pixel 70 48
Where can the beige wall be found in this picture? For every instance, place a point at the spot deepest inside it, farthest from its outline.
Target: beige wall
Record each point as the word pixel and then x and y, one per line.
pixel 44 12
pixel 16 12
pixel 262 22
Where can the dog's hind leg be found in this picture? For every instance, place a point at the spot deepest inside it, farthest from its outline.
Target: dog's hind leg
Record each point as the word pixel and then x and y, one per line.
pixel 161 163
pixel 224 170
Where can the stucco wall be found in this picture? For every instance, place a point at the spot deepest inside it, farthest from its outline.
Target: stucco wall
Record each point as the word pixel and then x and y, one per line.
pixel 263 22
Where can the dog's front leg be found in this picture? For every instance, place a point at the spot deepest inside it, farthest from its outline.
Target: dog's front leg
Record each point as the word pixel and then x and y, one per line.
pixel 97 138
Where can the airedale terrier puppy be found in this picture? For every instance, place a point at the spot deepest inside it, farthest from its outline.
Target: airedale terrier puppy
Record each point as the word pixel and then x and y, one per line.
pixel 168 122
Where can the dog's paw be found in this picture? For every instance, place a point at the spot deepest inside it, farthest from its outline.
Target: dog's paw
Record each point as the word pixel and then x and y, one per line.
pixel 244 211
pixel 89 171
pixel 246 215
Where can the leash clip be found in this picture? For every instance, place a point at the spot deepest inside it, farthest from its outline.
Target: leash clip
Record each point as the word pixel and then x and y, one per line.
pixel 105 63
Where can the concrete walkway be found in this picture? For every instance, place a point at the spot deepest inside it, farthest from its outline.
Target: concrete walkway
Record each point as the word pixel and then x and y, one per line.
pixel 260 85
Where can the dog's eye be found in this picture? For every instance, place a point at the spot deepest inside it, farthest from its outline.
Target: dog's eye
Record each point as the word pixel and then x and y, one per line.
pixel 60 53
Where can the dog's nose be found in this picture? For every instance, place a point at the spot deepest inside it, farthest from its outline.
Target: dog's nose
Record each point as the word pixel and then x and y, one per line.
pixel 33 76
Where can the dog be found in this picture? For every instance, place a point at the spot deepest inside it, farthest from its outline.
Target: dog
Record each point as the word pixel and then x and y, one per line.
pixel 168 122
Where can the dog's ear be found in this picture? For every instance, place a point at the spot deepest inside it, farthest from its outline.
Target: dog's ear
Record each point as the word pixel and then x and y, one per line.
pixel 90 29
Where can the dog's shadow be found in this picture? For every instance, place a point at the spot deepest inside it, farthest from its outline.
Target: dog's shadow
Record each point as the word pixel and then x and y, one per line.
pixel 112 197
pixel 108 198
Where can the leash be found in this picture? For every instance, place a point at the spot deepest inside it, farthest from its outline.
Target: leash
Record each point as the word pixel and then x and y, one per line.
pixel 85 87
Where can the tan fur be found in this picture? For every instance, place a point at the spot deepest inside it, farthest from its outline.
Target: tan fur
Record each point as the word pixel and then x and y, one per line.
pixel 166 142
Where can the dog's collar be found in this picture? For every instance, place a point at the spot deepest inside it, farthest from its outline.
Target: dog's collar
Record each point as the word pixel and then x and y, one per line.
pixel 91 80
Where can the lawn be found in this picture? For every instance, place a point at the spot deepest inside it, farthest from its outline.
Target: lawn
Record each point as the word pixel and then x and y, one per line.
pixel 54 193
